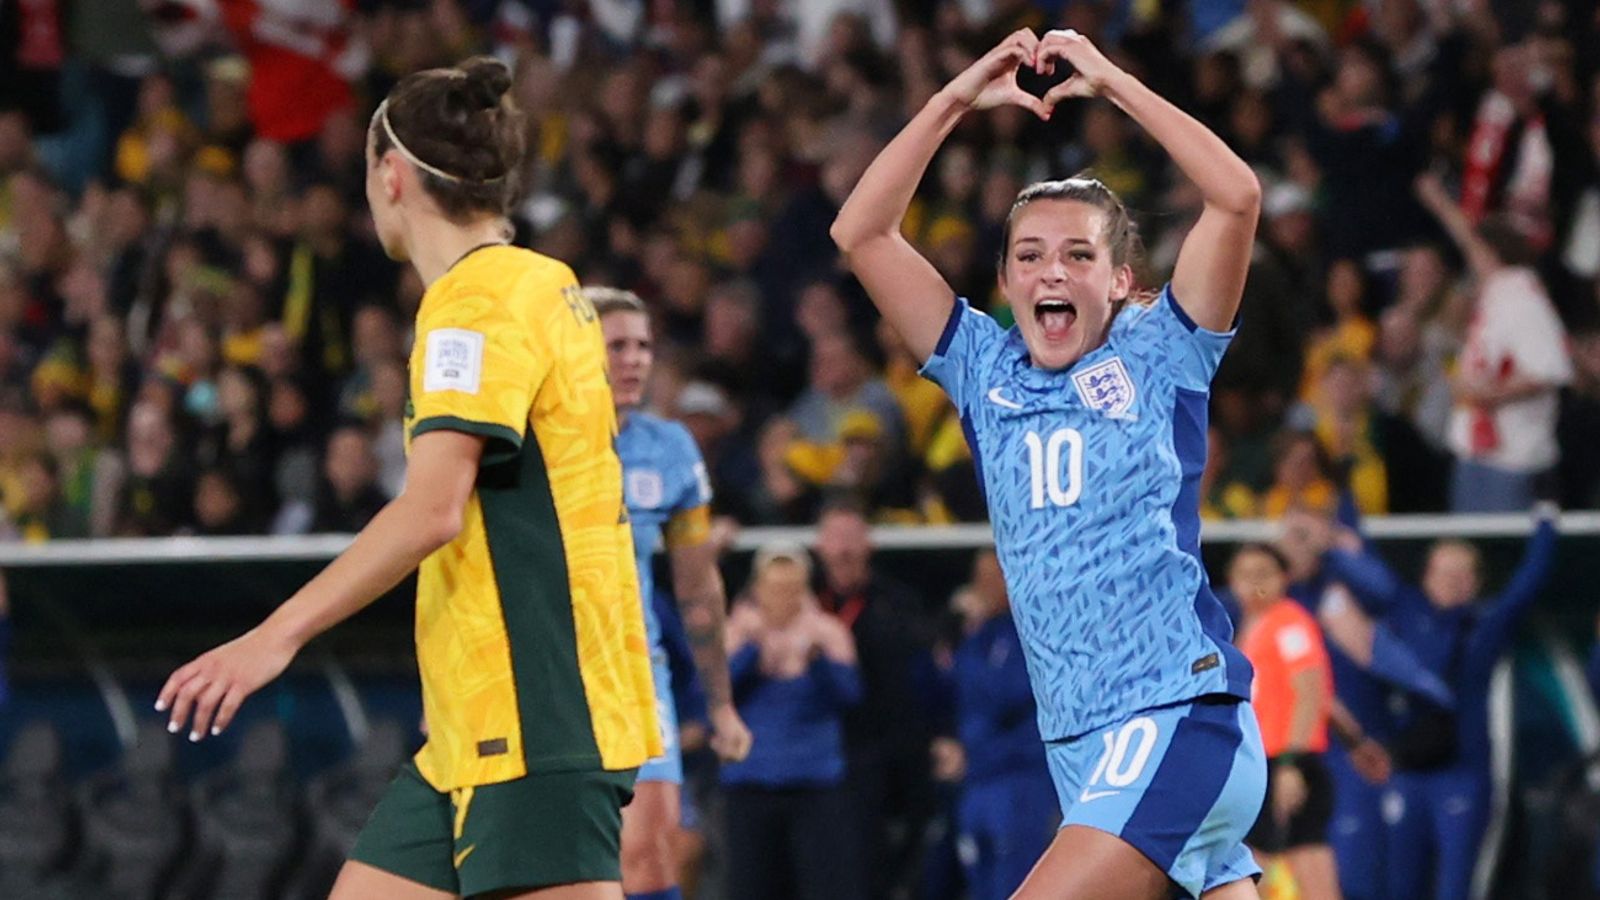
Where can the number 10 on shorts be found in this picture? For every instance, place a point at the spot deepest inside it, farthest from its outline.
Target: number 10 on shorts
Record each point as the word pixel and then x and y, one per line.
pixel 1127 752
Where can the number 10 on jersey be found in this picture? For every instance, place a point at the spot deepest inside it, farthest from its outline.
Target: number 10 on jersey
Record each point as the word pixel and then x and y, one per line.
pixel 1045 464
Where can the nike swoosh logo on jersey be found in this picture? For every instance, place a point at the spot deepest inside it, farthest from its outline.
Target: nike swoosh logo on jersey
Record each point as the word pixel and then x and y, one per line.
pixel 462 856
pixel 1088 795
pixel 998 400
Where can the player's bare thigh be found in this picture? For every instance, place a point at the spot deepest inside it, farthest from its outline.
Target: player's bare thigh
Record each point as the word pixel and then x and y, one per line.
pixel 359 881
pixel 1084 863
pixel 1315 871
pixel 649 824
pixel 588 890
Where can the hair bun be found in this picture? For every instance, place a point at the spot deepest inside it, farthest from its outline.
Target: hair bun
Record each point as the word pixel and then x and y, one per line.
pixel 487 80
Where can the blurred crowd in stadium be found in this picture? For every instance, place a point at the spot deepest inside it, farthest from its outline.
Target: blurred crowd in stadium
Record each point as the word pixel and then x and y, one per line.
pixel 198 333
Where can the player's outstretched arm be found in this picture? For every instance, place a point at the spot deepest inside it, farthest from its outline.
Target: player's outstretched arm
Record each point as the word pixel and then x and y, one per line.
pixel 1209 278
pixel 907 289
pixel 703 600
pixel 1498 623
pixel 426 516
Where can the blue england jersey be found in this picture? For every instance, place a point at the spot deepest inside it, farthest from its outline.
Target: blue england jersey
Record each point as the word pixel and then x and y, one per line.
pixel 662 476
pixel 1092 475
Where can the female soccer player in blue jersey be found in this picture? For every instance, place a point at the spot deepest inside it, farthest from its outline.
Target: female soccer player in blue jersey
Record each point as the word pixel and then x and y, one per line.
pixel 1088 421
pixel 668 492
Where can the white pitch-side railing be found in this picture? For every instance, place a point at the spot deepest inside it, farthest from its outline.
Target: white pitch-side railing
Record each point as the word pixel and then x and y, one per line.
pixel 890 537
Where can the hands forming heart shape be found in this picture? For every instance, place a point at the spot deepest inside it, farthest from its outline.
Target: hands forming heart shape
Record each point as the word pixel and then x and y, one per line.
pixel 992 80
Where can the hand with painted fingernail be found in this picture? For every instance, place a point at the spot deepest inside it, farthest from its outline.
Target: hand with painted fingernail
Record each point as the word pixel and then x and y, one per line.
pixel 204 694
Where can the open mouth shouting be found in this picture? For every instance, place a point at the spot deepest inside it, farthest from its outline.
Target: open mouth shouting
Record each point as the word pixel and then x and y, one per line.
pixel 1055 316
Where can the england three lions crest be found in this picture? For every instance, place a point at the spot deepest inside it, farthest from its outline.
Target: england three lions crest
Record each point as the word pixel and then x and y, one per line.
pixel 1107 387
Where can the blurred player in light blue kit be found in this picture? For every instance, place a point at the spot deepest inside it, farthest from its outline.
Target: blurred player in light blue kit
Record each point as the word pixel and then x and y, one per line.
pixel 1088 423
pixel 668 494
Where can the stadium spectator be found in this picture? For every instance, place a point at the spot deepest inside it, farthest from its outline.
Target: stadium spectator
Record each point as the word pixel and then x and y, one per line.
pixel 155 496
pixel 1300 476
pixel 923 407
pixel 1343 420
pixel 1005 818
pixel 793 668
pixel 375 340
pixel 717 425
pixel 731 350
pixel 386 420
pixel 240 442
pixel 780 496
pixel 858 465
pixel 1266 358
pixel 1351 335
pixel 887 735
pixel 1357 134
pixel 88 473
pixel 220 507
pixel 112 377
pixel 330 271
pixel 1220 496
pixel 1442 754
pixel 842 381
pixel 33 52
pixel 301 57
pixel 294 473
pixel 350 495
pixel 41 513
pixel 1503 427
pixel 1418 341
pixel 1580 423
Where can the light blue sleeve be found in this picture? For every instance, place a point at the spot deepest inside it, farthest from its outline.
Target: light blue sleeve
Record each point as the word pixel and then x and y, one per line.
pixel 691 481
pixel 956 363
pixel 1194 352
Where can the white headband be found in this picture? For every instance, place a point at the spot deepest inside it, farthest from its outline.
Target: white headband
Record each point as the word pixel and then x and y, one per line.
pixel 382 115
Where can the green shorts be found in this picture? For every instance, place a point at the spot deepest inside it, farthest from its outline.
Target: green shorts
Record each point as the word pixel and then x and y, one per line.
pixel 538 831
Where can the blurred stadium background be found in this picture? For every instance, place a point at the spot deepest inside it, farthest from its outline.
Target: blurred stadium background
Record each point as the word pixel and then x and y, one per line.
pixel 202 354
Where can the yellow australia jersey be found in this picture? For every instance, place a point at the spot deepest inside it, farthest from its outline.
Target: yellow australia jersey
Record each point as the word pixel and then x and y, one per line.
pixel 530 633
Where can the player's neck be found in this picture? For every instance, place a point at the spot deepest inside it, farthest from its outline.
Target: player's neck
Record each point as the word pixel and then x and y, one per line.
pixel 437 244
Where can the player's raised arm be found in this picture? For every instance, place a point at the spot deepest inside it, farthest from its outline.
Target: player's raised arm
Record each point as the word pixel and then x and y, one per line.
pixel 1209 278
pixel 907 289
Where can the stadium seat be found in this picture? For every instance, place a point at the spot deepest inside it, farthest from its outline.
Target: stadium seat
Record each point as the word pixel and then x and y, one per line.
pixel 245 822
pixel 338 803
pixel 136 820
pixel 1572 867
pixel 38 823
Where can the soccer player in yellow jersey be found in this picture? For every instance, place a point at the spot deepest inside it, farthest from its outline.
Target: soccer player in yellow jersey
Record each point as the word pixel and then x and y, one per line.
pixel 535 670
